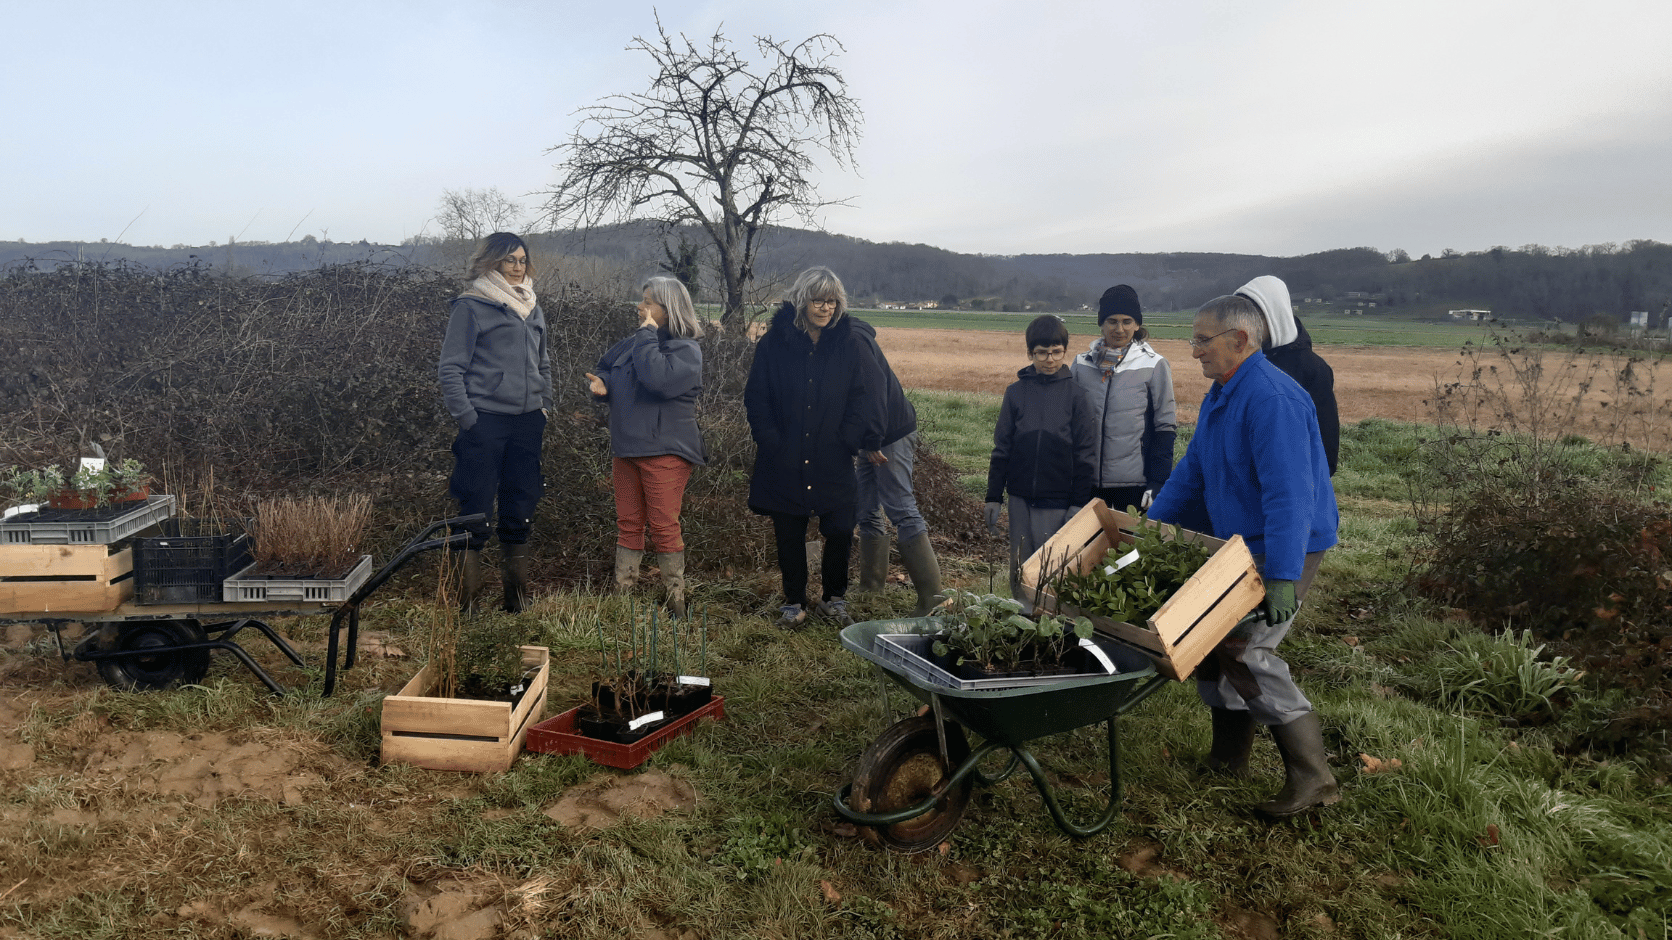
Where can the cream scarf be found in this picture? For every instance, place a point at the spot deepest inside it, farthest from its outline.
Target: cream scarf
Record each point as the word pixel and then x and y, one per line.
pixel 493 286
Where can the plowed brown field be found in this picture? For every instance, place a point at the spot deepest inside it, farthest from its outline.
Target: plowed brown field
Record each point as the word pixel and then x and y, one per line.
pixel 1391 382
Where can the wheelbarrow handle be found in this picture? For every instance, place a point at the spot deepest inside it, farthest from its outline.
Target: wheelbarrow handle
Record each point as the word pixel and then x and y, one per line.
pixel 457 536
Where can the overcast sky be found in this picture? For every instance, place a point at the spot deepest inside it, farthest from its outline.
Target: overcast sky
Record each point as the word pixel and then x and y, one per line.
pixel 1274 127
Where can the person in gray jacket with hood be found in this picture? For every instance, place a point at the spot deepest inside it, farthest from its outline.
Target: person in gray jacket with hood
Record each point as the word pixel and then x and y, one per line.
pixel 651 380
pixel 1130 388
pixel 1289 347
pixel 496 379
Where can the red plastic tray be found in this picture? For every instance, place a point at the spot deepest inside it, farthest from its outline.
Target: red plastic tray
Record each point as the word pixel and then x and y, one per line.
pixel 557 736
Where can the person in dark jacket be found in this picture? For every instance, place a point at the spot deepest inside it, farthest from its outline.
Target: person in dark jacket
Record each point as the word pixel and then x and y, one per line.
pixel 651 381
pixel 811 399
pixel 496 381
pixel 1042 449
pixel 885 491
pixel 1289 347
pixel 1131 391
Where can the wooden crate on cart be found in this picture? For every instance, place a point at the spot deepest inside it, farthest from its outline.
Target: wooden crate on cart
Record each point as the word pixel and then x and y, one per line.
pixel 1192 622
pixel 64 578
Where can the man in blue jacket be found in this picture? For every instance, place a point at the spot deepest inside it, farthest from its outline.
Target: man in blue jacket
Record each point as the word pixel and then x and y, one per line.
pixel 1256 468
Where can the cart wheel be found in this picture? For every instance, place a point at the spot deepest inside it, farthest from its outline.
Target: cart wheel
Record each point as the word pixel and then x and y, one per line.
pixel 900 769
pixel 160 670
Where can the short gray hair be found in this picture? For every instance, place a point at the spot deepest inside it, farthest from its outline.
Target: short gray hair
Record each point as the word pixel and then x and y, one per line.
pixel 1236 312
pixel 819 282
pixel 682 315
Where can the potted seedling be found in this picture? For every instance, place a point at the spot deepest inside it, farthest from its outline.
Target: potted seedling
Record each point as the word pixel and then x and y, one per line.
pixel 652 686
pixel 988 637
pixel 306 549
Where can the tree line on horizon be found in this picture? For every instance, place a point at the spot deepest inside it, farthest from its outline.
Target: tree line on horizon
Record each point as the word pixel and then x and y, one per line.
pixel 1532 282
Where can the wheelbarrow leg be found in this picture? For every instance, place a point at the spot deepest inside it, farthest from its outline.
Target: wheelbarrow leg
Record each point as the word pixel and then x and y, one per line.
pixel 1043 785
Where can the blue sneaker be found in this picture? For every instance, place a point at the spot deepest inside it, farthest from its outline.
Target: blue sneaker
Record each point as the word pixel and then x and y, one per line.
pixel 792 617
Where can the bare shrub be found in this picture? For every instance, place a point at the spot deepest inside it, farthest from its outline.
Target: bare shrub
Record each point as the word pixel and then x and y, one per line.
pixel 309 535
pixel 1529 524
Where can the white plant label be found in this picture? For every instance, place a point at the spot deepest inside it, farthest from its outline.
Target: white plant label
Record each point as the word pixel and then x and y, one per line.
pixel 92 464
pixel 693 680
pixel 1102 657
pixel 643 720
pixel 1122 562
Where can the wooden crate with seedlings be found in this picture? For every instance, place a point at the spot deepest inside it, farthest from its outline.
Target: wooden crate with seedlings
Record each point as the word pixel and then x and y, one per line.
pixel 64 578
pixel 424 730
pixel 1190 624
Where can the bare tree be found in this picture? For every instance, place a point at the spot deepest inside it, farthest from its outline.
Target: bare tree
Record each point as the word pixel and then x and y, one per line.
pixel 716 143
pixel 476 213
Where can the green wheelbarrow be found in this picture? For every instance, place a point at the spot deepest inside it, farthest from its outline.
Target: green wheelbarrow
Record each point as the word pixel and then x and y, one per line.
pixel 914 782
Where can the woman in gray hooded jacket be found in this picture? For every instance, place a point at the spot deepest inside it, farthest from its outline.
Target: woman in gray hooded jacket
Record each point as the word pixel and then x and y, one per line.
pixel 496 379
pixel 651 381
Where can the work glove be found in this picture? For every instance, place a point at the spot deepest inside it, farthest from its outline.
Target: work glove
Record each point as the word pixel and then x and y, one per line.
pixel 993 518
pixel 1148 497
pixel 1281 605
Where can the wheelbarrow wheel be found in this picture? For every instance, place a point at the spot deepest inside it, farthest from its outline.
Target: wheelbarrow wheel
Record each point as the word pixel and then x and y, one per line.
pixel 902 768
pixel 165 667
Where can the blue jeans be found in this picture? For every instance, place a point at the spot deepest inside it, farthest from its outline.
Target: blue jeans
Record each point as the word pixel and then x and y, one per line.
pixel 886 490
pixel 498 460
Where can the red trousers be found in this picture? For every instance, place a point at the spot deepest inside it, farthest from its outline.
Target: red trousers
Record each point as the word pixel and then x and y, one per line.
pixel 648 493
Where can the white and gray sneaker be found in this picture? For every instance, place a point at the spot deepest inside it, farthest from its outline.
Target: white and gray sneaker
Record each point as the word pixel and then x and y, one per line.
pixel 836 609
pixel 792 617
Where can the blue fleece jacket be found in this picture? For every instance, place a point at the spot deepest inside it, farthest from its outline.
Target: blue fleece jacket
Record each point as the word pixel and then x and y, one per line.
pixel 1256 465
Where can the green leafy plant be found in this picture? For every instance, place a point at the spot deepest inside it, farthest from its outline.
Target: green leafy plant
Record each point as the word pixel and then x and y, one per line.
pixel 992 633
pixel 95 487
pixel 1505 675
pixel 1134 592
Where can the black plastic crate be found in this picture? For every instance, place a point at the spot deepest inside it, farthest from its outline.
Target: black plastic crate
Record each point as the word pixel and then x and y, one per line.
pixel 188 561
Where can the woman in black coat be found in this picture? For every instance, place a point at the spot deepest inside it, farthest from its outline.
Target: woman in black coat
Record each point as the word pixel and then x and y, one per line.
pixel 811 401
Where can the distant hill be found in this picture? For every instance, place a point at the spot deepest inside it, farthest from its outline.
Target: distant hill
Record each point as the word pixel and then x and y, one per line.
pixel 1531 282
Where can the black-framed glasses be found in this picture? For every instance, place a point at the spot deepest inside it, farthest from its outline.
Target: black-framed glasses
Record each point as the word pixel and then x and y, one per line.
pixel 821 303
pixel 1197 343
pixel 1049 354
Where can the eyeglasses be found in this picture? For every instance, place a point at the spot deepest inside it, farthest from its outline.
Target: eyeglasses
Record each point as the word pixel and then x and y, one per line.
pixel 513 259
pixel 1050 354
pixel 821 303
pixel 1197 342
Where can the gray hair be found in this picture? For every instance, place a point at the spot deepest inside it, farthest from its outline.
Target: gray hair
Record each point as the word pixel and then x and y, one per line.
pixel 1236 312
pixel 817 283
pixel 682 315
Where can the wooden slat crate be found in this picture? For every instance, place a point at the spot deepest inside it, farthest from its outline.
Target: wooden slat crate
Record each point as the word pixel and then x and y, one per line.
pixel 59 579
pixel 1192 622
pixel 462 734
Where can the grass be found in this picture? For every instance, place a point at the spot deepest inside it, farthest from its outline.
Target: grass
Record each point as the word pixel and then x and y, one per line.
pixel 1485 830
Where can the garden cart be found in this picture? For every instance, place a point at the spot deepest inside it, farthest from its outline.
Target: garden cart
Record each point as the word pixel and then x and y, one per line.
pixel 148 647
pixel 914 782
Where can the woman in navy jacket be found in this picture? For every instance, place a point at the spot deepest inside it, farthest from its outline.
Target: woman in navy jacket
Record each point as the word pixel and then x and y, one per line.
pixel 812 404
pixel 651 380
pixel 496 379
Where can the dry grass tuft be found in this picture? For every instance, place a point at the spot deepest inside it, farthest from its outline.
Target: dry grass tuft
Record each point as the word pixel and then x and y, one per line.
pixel 310 535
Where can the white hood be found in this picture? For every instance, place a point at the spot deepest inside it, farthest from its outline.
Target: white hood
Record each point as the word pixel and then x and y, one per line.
pixel 1271 295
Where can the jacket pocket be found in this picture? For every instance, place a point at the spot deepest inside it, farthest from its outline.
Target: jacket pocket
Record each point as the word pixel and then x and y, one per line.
pixel 484 383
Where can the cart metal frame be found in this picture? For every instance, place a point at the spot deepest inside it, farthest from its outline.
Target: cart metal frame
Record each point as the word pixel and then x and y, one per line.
pixel 228 620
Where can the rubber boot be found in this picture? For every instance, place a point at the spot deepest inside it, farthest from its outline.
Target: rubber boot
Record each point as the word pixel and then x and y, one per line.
pixel 918 555
pixel 873 563
pixel 627 567
pixel 1307 781
pixel 673 580
pixel 470 578
pixel 1233 741
pixel 513 571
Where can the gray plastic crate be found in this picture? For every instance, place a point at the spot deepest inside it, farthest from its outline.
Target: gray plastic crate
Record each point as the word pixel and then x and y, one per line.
pixel 241 588
pixel 61 527
pixel 909 652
